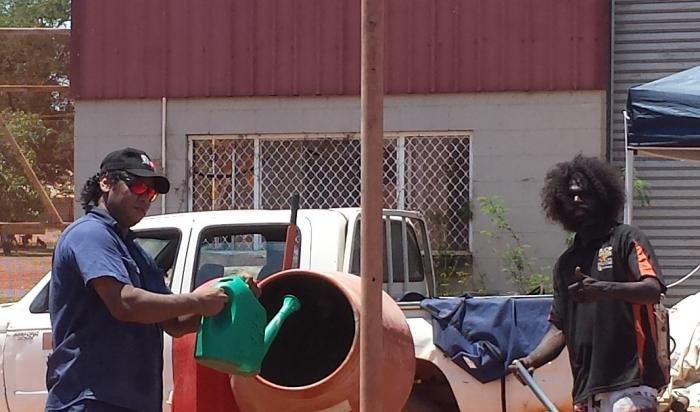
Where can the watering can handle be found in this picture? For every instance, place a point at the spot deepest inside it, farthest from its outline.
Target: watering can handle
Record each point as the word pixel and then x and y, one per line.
pixel 229 284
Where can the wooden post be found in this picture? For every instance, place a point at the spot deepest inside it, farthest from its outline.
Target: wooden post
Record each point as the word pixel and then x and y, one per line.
pixel 372 250
pixel 33 31
pixel 25 88
pixel 49 208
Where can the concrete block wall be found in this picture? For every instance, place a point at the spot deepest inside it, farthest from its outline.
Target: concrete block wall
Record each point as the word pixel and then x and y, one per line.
pixel 517 137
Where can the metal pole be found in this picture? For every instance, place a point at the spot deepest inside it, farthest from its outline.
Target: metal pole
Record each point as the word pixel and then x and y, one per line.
pixel 190 172
pixel 404 248
pixel 629 176
pixel 372 250
pixel 213 173
pixel 257 201
pixel 611 84
pixel 163 146
pixel 51 213
pixel 401 174
pixel 525 376
pixel 389 256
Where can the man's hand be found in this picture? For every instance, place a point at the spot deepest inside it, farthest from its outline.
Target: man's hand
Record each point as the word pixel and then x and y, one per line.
pixel 251 283
pixel 210 301
pixel 585 288
pixel 527 363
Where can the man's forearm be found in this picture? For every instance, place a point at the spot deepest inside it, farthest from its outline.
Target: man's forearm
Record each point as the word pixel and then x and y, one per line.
pixel 142 306
pixel 549 348
pixel 645 291
pixel 182 325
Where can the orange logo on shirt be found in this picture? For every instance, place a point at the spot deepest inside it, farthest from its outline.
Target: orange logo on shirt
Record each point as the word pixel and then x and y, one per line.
pixel 605 258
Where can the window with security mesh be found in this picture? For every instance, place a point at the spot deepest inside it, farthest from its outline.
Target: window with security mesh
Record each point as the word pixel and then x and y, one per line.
pixel 426 172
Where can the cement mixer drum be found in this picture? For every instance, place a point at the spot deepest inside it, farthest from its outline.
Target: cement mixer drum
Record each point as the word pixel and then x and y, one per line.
pixel 313 364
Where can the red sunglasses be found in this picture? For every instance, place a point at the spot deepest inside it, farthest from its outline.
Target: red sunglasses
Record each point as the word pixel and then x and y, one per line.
pixel 140 188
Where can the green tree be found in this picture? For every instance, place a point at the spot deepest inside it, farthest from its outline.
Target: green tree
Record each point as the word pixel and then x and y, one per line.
pixel 34 13
pixel 42 122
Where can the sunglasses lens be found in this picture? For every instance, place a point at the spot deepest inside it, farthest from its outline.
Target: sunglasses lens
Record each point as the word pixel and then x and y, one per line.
pixel 140 188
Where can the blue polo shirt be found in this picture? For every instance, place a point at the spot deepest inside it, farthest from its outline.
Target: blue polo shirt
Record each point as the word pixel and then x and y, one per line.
pixel 96 356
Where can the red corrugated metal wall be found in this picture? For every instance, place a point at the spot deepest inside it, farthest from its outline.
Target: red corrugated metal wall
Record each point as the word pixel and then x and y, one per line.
pixel 219 48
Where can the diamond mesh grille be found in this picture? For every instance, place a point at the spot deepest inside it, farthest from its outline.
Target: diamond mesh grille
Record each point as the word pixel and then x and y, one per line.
pixel 429 174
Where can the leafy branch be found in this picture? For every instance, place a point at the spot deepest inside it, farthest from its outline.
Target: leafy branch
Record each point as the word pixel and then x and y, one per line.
pixel 516 262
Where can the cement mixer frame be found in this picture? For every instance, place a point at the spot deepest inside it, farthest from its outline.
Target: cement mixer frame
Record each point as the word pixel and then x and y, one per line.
pixel 191 247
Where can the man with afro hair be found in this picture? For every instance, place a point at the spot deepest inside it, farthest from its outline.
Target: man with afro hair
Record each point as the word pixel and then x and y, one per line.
pixel 605 286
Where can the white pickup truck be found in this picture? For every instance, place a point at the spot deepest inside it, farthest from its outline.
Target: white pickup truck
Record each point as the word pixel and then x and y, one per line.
pixel 192 248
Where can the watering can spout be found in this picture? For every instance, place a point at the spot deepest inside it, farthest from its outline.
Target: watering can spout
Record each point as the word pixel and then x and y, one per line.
pixel 290 304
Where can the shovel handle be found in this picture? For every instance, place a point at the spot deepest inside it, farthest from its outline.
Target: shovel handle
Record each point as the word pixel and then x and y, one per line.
pixel 290 240
pixel 527 378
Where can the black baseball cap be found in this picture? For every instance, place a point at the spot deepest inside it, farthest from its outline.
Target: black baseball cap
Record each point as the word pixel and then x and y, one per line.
pixel 135 162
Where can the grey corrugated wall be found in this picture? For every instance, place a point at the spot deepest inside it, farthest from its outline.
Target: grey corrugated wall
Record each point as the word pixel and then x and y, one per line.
pixel 652 39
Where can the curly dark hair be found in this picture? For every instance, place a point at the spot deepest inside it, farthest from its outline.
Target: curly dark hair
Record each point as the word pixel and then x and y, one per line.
pixel 600 179
pixel 91 193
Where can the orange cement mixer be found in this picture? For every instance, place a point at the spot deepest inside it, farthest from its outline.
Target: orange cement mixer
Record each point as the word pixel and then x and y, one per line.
pixel 313 364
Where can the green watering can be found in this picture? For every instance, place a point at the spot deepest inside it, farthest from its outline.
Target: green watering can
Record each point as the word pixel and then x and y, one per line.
pixel 236 340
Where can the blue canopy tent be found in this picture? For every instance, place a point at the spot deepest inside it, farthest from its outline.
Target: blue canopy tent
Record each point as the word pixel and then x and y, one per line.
pixel 662 119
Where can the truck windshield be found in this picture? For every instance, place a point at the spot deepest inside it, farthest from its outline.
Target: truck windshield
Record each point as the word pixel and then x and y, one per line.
pixel 253 250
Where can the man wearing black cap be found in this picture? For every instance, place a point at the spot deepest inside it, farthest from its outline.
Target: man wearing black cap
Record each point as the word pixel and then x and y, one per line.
pixel 108 302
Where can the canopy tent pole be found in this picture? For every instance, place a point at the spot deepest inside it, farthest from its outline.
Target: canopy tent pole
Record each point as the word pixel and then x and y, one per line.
pixel 629 175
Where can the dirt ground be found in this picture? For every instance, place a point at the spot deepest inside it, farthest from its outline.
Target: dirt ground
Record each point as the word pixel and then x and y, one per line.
pixel 19 274
pixel 21 270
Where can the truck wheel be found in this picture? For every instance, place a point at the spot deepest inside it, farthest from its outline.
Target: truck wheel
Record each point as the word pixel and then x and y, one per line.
pixel 431 391
pixel 420 403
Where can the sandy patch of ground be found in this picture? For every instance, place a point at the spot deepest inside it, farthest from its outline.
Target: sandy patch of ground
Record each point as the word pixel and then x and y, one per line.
pixel 19 273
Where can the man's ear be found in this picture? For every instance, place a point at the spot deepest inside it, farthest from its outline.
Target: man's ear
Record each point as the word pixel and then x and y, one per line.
pixel 105 184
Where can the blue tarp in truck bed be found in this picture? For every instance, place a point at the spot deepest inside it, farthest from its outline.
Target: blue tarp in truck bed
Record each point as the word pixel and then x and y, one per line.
pixel 483 335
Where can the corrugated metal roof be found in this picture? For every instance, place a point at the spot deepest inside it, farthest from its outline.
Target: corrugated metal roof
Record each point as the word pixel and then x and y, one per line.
pixel 202 48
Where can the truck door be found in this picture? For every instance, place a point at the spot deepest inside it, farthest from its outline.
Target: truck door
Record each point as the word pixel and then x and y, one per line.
pixel 406 249
pixel 27 346
pixel 164 246
pixel 28 341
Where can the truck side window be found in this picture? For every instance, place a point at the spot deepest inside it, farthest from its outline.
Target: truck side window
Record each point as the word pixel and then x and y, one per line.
pixel 40 304
pixel 228 250
pixel 416 269
pixel 160 244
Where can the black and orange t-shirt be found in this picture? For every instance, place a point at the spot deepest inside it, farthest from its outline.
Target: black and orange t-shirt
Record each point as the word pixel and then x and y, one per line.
pixel 611 343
